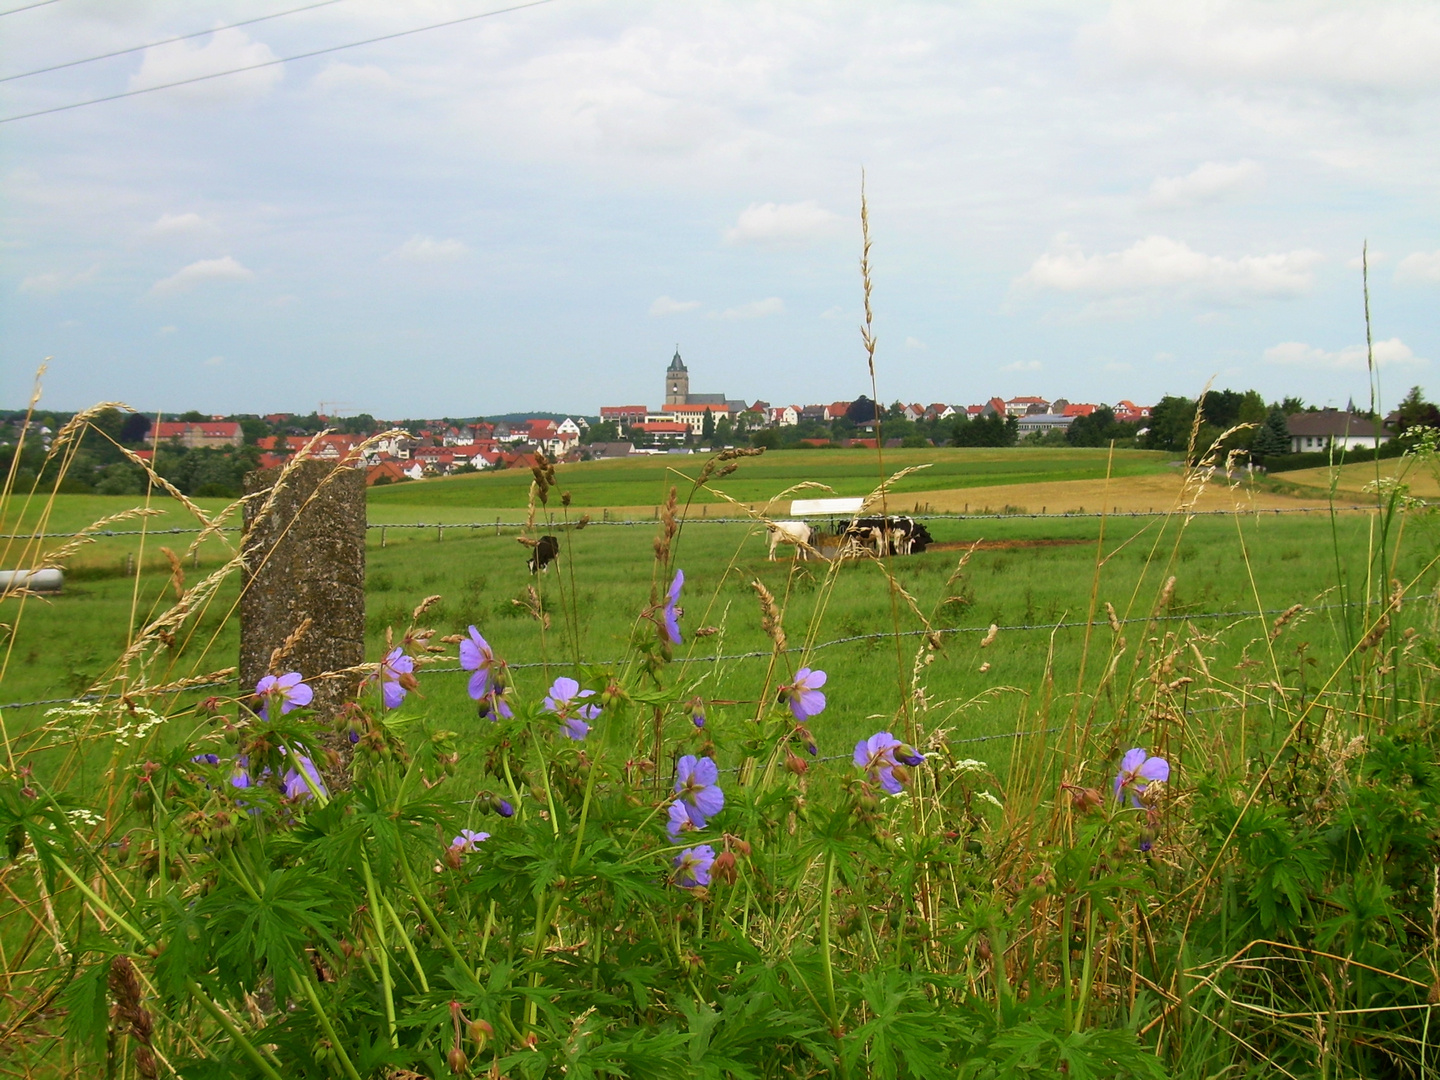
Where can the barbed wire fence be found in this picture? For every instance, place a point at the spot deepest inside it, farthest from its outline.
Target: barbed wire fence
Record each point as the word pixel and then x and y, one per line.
pixel 499 524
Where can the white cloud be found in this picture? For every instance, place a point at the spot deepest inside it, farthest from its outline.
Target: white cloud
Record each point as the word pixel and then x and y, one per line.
pixel 836 312
pixel 1160 265
pixel 167 330
pixel 54 281
pixel 1332 46
pixel 1212 181
pixel 198 273
pixel 1392 352
pixel 663 305
pixel 1419 267
pixel 215 361
pixel 169 226
pixel 425 249
pixel 756 309
pixel 349 78
pixel 223 51
pixel 1116 366
pixel 1022 365
pixel 780 224
pixel 915 343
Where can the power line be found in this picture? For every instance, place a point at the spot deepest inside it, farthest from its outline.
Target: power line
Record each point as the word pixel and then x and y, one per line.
pixel 27 7
pixel 156 44
pixel 272 63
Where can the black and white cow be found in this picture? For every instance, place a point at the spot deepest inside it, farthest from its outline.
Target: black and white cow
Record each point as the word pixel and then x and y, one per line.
pixel 543 554
pixel 888 535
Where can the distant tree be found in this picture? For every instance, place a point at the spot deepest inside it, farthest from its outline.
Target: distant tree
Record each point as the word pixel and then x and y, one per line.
pixel 1221 408
pixel 769 438
pixel 604 431
pixel 1170 423
pixel 254 429
pixel 991 430
pixel 1291 405
pixel 1415 410
pixel 724 430
pixel 1092 430
pixel 1272 438
pixel 133 431
pixel 861 410
pixel 194 416
pixel 707 427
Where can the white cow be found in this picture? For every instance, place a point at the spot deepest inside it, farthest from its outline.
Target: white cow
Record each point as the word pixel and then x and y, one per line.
pixel 790 532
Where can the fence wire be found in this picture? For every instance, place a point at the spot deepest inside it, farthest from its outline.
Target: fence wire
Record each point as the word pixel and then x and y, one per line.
pixel 886 635
pixel 632 522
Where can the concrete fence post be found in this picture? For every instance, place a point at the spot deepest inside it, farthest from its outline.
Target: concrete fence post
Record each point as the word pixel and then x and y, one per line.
pixel 306 559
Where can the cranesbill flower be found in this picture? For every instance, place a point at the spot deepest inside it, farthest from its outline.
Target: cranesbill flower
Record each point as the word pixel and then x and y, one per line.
pixel 696 792
pixel 468 839
pixel 876 755
pixel 393 669
pixel 679 818
pixel 804 694
pixel 206 759
pixel 296 786
pixel 692 866
pixel 494 705
pixel 241 777
pixel 289 688
pixel 697 713
pixel 1137 770
pixel 564 701
pixel 672 613
pixel 476 656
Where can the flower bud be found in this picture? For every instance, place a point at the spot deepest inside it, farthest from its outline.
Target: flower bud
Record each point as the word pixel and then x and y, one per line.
pixel 743 847
pixel 1085 799
pixel 454 857
pixel 723 868
pixel 480 1031
pixel 503 807
pixel 908 755
pixel 796 764
pixel 457 1061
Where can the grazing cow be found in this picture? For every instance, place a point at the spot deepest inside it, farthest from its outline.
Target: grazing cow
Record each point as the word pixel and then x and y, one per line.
pixel 888 535
pixel 544 553
pixel 790 532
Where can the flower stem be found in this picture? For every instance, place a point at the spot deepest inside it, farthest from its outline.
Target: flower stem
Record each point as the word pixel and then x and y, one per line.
pixel 308 985
pixel 584 812
pixel 381 950
pixel 246 1046
pixel 444 938
pixel 825 898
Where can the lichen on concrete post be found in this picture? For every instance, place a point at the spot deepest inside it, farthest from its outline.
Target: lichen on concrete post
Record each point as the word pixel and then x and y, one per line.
pixel 305 559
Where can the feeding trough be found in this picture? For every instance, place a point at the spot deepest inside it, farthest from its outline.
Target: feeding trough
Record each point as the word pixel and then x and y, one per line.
pixel 49 580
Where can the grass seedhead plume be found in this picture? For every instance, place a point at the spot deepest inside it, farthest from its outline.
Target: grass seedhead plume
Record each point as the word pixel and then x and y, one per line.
pixel 770 620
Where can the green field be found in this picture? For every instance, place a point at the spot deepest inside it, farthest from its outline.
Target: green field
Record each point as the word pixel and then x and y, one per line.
pixel 604 578
pixel 644 481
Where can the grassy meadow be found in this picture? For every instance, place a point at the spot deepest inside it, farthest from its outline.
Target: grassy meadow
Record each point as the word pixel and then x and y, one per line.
pixel 987 909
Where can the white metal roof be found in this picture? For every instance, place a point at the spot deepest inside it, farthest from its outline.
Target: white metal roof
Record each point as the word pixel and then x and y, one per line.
pixel 816 507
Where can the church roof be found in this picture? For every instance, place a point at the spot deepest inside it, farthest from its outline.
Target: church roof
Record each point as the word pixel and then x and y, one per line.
pixel 676 364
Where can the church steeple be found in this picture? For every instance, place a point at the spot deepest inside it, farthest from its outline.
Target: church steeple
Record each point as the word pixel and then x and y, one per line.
pixel 677 381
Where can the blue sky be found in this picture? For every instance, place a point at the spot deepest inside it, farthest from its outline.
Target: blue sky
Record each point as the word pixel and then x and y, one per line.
pixel 530 211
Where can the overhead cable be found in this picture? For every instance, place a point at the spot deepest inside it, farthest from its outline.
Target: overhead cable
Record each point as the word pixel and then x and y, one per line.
pixel 166 41
pixel 27 7
pixel 272 63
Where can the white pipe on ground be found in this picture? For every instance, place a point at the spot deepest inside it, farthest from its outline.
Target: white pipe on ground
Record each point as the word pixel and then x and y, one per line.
pixel 48 580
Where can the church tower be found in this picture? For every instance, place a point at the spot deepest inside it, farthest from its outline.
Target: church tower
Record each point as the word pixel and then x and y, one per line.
pixel 677 381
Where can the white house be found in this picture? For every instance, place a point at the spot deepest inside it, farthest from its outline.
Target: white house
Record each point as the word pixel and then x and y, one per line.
pixel 1315 431
pixel 784 415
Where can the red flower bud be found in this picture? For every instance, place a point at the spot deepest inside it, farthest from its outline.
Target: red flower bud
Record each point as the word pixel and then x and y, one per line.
pixel 723 868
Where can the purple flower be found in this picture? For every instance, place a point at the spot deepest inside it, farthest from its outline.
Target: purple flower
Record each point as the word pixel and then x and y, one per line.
pixel 393 669
pixel 877 756
pixel 692 866
pixel 241 777
pixel 505 808
pixel 1137 770
pixel 468 838
pixel 697 795
pixel 493 704
pixel 804 694
pixel 563 701
pixel 476 656
pixel 206 759
pixel 292 692
pixel 672 613
pixel 697 714
pixel 296 786
pixel 679 818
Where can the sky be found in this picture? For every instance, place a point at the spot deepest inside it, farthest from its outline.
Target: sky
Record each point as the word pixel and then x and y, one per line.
pixel 531 210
